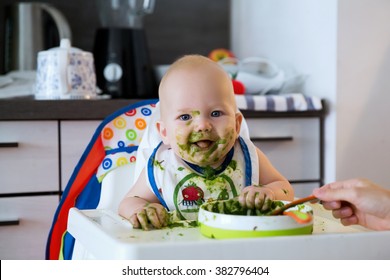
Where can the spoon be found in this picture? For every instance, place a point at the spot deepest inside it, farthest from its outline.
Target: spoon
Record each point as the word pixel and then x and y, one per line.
pixel 280 210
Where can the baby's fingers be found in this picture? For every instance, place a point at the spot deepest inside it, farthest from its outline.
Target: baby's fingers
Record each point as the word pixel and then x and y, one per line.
pixel 250 199
pixel 242 199
pixel 143 219
pixel 259 200
pixel 153 217
pixel 134 221
pixel 163 216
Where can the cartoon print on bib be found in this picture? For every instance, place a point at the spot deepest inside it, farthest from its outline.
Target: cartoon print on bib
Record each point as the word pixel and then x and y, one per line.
pixel 190 193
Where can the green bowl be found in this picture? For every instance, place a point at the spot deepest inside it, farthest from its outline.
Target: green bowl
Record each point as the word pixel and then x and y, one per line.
pixel 224 226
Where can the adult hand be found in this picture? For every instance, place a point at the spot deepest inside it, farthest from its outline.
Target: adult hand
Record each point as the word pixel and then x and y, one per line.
pixel 151 213
pixel 357 201
pixel 256 197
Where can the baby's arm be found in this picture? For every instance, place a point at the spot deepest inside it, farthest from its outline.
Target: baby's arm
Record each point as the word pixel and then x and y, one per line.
pixel 140 206
pixel 272 186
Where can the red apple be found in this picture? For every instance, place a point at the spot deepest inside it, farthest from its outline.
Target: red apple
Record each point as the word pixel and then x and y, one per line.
pixel 219 54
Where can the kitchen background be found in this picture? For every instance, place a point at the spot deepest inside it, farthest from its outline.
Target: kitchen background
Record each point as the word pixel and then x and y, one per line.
pixel 174 28
pixel 343 46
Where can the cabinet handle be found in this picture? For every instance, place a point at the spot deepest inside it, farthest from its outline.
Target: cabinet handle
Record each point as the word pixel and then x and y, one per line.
pixel 272 139
pixel 9 145
pixel 9 223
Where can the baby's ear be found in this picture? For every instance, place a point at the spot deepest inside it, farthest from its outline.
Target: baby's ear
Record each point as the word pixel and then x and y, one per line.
pixel 162 131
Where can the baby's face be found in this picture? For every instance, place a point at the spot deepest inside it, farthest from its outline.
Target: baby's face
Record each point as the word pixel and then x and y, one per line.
pixel 199 119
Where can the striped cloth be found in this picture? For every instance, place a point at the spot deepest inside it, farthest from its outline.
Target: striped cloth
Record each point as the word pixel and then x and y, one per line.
pixel 278 103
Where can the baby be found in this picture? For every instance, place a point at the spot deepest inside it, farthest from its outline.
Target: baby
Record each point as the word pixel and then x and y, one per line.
pixel 201 157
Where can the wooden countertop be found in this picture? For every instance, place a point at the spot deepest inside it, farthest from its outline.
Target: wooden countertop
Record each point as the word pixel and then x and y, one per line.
pixel 30 109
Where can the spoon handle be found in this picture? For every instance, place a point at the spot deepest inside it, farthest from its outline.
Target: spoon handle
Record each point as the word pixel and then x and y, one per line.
pixel 280 210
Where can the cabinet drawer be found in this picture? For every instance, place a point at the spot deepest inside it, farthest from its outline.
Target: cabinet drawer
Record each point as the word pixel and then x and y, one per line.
pixel 28 156
pixel 75 136
pixel 26 240
pixel 292 145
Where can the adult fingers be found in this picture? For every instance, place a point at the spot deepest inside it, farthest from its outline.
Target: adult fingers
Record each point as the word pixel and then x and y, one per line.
pixel 343 212
pixel 331 205
pixel 352 220
pixel 335 192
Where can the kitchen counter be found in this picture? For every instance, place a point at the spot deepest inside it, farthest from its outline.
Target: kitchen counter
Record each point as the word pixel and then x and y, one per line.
pixel 30 109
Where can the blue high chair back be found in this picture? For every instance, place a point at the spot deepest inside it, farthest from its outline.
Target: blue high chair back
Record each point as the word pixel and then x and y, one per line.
pixel 114 144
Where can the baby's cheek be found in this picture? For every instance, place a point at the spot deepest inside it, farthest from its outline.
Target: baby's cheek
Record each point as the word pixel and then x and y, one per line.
pixel 180 136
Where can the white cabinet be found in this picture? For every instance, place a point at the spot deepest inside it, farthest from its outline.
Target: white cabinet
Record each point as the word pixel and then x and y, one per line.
pixel 24 226
pixel 32 153
pixel 28 156
pixel 293 147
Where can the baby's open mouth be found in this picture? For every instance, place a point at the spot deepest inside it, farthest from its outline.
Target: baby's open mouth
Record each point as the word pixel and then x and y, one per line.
pixel 203 144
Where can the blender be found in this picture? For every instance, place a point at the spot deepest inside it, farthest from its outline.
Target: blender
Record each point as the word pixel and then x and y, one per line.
pixel 122 62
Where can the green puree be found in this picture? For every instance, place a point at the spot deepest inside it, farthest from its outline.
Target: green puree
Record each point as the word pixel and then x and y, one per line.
pixel 233 207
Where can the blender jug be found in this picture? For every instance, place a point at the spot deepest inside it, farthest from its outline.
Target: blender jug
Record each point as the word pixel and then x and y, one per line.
pixel 121 55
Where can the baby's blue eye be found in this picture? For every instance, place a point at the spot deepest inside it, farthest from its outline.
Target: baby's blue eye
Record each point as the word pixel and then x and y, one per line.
pixel 185 117
pixel 216 113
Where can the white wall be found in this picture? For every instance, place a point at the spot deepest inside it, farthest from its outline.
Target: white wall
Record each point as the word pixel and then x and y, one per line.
pixel 363 90
pixel 343 45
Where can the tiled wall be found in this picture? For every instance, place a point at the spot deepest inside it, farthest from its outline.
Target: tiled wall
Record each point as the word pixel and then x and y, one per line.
pixel 175 28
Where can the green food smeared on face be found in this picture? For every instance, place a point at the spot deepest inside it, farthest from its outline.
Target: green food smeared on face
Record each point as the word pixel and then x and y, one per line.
pixel 221 141
pixel 209 152
pixel 213 153
pixel 195 136
pixel 195 113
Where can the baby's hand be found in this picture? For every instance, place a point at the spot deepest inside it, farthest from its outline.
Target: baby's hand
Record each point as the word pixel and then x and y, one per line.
pixel 151 213
pixel 255 197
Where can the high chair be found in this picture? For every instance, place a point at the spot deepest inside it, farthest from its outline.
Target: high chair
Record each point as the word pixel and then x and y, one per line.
pixel 104 173
pixel 107 170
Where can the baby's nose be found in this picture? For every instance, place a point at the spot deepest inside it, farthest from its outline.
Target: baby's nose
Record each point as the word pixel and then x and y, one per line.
pixel 203 124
